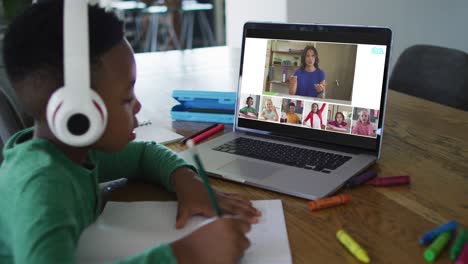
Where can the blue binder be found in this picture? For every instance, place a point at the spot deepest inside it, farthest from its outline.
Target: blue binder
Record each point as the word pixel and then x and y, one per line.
pixel 204 106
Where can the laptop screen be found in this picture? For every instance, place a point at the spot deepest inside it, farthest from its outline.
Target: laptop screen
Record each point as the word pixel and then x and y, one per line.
pixel 314 82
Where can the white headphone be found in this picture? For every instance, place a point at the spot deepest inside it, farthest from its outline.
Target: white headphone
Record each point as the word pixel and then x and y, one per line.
pixel 76 114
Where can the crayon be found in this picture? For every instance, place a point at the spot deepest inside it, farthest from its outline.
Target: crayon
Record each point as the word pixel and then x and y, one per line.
pixel 431 235
pixel 463 258
pixel 352 246
pixel 361 179
pixel 431 253
pixel 457 246
pixel 389 181
pixel 329 202
pixel 208 133
pixel 198 133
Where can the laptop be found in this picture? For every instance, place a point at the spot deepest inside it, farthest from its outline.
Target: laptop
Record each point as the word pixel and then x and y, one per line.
pixel 310 108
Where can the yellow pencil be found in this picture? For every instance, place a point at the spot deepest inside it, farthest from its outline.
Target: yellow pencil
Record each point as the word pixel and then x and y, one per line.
pixel 352 246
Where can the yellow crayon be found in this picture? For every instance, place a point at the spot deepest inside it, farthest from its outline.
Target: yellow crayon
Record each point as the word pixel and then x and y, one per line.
pixel 352 246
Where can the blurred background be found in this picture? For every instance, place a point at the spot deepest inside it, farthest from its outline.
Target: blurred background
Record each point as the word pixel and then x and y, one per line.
pixel 159 25
pixel 150 25
pixel 436 28
pixel 155 25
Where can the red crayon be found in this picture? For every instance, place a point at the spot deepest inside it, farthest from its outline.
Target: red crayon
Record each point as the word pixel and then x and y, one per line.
pixel 208 133
pixel 390 181
pixel 184 141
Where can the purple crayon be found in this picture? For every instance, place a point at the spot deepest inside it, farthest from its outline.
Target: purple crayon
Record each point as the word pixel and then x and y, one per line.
pixel 389 181
pixel 361 179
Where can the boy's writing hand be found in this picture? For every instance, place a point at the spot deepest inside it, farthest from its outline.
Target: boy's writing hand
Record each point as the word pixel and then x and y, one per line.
pixel 193 199
pixel 222 241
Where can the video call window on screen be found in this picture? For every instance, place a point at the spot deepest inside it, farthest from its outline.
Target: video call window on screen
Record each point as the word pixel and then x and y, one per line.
pixel 311 69
pixel 333 87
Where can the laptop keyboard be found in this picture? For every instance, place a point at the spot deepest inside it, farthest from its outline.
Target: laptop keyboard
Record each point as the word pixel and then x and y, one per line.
pixel 284 154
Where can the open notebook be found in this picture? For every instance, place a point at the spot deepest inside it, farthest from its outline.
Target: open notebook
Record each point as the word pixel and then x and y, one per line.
pixel 126 229
pixel 147 131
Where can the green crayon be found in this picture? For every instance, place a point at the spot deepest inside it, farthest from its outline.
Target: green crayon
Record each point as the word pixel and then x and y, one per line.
pixel 436 247
pixel 457 246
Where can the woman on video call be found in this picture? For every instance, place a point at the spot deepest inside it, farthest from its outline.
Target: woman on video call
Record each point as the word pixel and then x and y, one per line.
pixel 309 80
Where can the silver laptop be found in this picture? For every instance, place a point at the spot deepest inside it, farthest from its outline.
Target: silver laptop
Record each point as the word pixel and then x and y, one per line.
pixel 310 108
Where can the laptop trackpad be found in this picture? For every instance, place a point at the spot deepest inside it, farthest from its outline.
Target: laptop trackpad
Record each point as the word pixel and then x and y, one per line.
pixel 248 169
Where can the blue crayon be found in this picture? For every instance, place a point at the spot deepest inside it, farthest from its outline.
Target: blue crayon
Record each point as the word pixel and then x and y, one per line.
pixel 431 235
pixel 361 179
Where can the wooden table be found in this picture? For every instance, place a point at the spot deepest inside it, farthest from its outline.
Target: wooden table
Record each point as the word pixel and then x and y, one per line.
pixel 422 139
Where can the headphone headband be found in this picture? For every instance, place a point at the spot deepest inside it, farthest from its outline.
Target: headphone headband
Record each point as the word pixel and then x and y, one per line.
pixel 76 46
pixel 75 113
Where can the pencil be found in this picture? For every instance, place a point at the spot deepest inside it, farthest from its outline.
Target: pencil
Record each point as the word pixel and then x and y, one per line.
pixel 204 178
pixel 198 133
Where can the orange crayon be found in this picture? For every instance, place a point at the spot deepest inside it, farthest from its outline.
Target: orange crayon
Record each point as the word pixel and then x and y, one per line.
pixel 329 202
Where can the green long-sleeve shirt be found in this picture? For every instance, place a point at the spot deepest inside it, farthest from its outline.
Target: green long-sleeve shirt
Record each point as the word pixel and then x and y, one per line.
pixel 46 200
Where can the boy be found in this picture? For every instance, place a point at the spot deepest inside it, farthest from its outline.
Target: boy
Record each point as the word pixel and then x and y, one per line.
pixel 49 191
pixel 249 111
pixel 292 118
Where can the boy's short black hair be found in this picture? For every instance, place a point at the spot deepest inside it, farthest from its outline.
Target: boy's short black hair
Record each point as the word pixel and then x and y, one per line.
pixel 33 46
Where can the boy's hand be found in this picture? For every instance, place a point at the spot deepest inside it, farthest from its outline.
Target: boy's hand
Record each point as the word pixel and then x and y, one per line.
pixel 222 241
pixel 193 200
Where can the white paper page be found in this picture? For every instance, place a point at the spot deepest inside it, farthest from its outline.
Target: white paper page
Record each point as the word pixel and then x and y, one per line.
pixel 152 132
pixel 126 229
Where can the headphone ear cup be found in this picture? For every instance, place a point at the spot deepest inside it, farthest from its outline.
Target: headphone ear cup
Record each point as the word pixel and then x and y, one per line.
pixel 76 122
pixel 101 109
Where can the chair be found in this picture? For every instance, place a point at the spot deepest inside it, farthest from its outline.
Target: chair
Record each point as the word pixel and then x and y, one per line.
pixel 190 9
pixel 131 13
pixel 144 22
pixel 156 13
pixel 434 73
pixel 10 120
